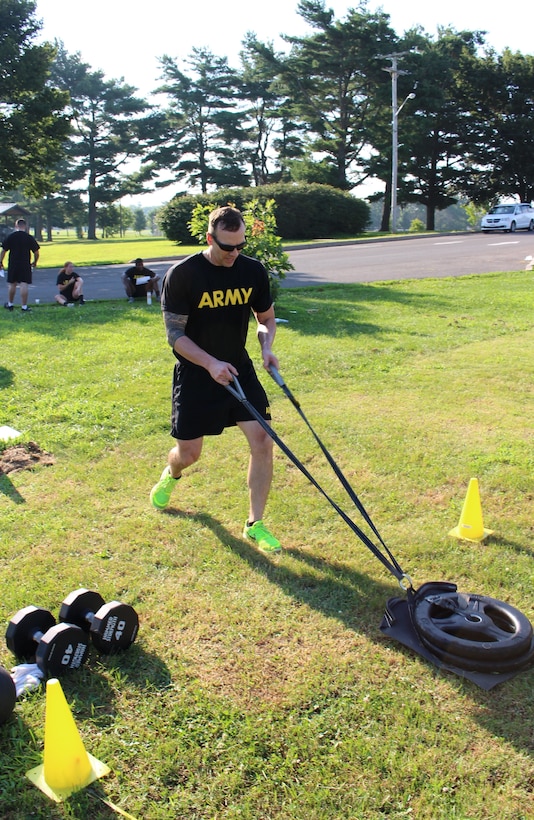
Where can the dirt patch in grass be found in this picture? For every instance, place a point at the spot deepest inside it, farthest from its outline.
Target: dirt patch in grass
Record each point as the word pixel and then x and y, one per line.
pixel 23 457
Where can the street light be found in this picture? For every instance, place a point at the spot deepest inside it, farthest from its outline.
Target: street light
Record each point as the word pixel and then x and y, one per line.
pixel 394 70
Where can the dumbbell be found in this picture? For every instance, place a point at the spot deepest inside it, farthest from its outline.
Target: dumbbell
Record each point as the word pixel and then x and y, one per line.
pixel 112 626
pixel 8 694
pixel 57 648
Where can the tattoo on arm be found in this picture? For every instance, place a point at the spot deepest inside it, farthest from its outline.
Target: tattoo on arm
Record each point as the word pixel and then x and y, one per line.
pixel 175 326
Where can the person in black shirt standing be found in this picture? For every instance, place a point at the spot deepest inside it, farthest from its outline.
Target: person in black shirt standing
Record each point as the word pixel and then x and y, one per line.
pixel 206 301
pixel 21 246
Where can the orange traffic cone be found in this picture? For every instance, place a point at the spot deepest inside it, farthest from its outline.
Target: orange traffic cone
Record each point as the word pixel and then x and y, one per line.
pixel 471 525
pixel 67 767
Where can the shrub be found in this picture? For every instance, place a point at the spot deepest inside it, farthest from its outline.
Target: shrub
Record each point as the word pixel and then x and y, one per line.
pixel 263 243
pixel 307 211
pixel 416 226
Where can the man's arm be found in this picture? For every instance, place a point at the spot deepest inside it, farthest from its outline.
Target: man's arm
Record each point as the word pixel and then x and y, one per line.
pixel 35 258
pixel 2 254
pixel 175 324
pixel 266 332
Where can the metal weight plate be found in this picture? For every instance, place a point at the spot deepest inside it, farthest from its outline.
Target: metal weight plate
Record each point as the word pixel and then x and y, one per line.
pixel 62 648
pixel 114 627
pixel 23 627
pixel 473 631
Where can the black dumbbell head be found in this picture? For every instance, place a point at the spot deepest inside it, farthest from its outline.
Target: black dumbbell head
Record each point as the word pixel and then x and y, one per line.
pixel 114 627
pixel 33 635
pixel 79 607
pixel 8 695
pixel 24 631
pixel 62 648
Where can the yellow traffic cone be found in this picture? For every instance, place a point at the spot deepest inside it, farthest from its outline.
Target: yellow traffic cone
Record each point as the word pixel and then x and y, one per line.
pixel 67 767
pixel 471 526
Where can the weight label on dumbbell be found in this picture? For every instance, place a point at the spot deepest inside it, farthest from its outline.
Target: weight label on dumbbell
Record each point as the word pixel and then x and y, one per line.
pixel 114 629
pixel 78 657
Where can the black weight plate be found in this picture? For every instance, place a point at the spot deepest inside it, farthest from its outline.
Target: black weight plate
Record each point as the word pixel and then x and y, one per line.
pixel 114 627
pixel 25 628
pixel 79 607
pixel 62 648
pixel 494 665
pixel 475 627
pixel 8 695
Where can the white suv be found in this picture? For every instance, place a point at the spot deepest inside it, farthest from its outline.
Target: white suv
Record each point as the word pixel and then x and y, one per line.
pixel 509 218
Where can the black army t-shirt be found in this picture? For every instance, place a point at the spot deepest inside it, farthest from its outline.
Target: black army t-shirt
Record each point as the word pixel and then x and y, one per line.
pixel 218 301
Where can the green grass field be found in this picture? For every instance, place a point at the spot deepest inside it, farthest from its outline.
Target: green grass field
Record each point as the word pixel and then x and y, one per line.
pixel 84 252
pixel 261 688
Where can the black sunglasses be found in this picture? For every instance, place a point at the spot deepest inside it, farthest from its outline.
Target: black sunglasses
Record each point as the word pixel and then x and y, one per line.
pixel 228 248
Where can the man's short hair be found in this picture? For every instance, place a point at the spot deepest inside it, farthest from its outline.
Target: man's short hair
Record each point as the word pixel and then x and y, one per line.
pixel 138 260
pixel 20 222
pixel 227 218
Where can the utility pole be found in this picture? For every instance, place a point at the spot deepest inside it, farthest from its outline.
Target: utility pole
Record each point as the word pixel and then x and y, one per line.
pixel 394 70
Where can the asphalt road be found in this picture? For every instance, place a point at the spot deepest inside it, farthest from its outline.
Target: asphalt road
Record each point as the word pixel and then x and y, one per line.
pixel 371 260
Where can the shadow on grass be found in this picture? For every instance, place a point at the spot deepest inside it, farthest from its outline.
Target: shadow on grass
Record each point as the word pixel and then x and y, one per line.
pixel 90 693
pixel 329 309
pixel 513 545
pixel 334 589
pixel 53 321
pixel 340 592
pixel 9 490
pixel 6 377
pixel 336 310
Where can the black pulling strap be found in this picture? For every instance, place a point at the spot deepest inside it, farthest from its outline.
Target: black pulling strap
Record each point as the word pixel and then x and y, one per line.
pixel 392 565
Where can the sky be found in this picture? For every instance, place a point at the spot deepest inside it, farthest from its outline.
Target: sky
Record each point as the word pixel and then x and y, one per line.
pixel 124 39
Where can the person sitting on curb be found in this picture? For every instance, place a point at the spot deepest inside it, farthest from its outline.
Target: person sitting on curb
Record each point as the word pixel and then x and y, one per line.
pixel 138 281
pixel 70 286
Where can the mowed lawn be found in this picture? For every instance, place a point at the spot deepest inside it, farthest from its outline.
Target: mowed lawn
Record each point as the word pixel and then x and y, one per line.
pixel 261 687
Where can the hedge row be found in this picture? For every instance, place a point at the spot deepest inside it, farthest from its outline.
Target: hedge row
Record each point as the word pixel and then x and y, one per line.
pixel 306 211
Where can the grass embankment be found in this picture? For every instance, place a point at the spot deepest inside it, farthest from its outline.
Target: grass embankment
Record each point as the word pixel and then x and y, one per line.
pixel 262 687
pixel 114 251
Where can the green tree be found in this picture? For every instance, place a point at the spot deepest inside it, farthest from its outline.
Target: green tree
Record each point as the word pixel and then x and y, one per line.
pixel 445 126
pixel 33 123
pixel 331 77
pixel 501 161
pixel 274 137
pixel 140 221
pixel 204 137
pixel 114 219
pixel 110 129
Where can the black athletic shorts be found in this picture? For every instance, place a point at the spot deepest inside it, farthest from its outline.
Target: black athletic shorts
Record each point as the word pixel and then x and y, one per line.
pixel 201 407
pixel 19 275
pixel 67 293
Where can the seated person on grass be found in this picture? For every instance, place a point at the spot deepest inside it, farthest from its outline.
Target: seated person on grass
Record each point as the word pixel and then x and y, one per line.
pixel 70 286
pixel 138 281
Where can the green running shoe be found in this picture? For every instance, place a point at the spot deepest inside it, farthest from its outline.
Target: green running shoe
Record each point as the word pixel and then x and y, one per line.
pixel 259 533
pixel 160 493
